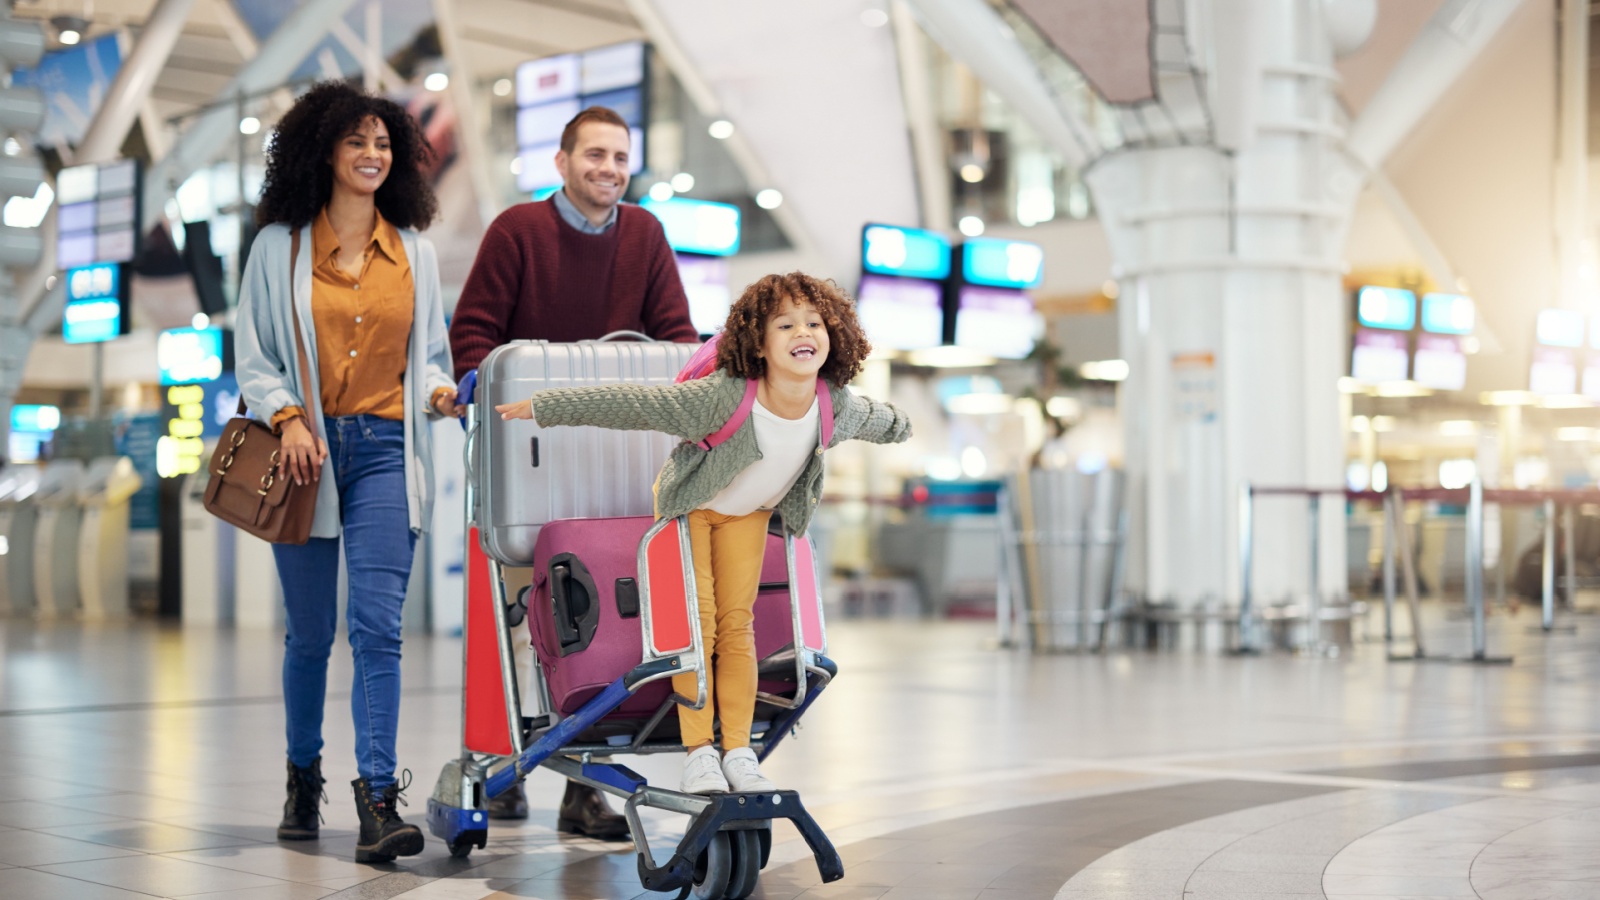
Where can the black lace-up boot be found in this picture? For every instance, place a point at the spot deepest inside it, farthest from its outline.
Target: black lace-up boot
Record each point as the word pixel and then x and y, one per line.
pixel 302 812
pixel 383 835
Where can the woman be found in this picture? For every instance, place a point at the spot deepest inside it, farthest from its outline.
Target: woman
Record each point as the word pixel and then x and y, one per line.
pixel 338 270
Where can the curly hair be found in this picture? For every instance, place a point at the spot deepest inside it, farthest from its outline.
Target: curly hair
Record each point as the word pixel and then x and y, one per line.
pixel 299 181
pixel 745 332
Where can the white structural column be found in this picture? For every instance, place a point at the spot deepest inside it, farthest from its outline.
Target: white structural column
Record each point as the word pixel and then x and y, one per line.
pixel 1233 317
pixel 129 90
pixel 1572 198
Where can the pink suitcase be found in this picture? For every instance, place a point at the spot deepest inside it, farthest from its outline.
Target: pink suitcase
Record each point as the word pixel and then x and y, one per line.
pixel 583 613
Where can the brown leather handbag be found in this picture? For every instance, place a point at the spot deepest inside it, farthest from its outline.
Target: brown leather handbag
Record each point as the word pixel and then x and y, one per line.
pixel 250 487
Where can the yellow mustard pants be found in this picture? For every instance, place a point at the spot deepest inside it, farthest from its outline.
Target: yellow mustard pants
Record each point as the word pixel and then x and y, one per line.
pixel 727 570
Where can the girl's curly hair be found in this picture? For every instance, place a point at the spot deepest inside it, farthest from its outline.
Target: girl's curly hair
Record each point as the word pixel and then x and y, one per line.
pixel 299 180
pixel 745 332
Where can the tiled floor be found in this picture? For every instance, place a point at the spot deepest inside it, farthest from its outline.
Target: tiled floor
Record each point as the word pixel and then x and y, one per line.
pixel 147 762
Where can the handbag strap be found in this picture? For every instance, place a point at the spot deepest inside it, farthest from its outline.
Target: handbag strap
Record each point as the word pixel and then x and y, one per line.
pixel 294 316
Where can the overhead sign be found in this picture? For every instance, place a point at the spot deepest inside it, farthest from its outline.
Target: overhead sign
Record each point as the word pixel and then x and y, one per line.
pixel 97 304
pixel 550 91
pixel 698 226
pixel 901 313
pixel 1379 356
pixel 190 355
pixel 1386 307
pixel 190 414
pixel 1560 328
pixel 1448 314
pixel 1000 263
pixel 1440 363
pixel 998 322
pixel 906 252
pixel 34 418
pixel 97 214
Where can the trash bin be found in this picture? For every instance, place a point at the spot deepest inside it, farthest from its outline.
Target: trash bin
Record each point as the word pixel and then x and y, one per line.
pixel 208 557
pixel 19 519
pixel 55 548
pixel 107 486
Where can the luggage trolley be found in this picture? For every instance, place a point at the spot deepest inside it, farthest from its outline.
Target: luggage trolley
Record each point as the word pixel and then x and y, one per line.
pixel 612 615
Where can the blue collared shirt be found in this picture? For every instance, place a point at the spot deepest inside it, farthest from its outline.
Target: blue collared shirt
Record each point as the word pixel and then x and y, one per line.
pixel 569 212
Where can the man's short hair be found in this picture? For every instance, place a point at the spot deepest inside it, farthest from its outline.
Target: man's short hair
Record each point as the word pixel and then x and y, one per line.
pixel 600 114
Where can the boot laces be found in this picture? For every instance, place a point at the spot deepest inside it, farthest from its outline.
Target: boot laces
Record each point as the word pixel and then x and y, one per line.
pixel 384 806
pixel 306 787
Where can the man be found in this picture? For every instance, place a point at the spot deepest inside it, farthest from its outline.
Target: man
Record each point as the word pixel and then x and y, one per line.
pixel 574 267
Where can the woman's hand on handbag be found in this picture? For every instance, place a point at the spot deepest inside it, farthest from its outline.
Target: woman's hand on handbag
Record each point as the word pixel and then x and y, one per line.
pixel 302 451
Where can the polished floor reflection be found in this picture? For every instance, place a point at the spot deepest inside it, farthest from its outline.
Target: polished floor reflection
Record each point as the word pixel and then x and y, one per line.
pixel 147 762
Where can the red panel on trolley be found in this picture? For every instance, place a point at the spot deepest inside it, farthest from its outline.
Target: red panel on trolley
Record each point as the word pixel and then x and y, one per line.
pixel 669 603
pixel 484 728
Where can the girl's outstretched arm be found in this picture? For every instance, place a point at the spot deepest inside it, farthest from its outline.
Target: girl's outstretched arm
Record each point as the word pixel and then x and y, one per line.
pixel 677 409
pixel 880 423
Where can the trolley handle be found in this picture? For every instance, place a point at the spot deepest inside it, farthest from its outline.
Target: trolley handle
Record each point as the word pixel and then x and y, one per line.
pixel 465 391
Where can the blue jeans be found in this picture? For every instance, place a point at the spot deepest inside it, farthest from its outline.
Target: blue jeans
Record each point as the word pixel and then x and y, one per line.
pixel 368 456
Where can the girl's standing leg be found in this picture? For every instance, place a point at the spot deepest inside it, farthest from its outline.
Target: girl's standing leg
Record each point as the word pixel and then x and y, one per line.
pixel 737 548
pixel 379 546
pixel 696 725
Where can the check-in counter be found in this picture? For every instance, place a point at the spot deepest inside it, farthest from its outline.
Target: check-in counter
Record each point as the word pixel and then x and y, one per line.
pixel 107 486
pixel 19 520
pixel 55 547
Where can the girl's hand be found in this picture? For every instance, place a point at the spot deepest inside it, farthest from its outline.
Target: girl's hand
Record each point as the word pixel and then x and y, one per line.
pixel 303 452
pixel 522 410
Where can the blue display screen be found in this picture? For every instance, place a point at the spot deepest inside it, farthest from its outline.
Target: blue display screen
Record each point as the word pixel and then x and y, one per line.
pixel 1560 328
pixel 698 226
pixel 1386 307
pixel 91 321
pixel 1448 314
pixel 1001 263
pixel 908 252
pixel 189 355
pixel 34 418
pixel 93 282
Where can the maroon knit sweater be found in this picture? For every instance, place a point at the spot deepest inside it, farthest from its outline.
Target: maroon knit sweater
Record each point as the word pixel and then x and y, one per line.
pixel 538 278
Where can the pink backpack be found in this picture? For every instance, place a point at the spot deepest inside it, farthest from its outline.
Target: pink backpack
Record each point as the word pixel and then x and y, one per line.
pixel 704 362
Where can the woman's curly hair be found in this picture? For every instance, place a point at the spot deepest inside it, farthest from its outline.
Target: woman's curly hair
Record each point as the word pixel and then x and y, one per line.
pixel 744 334
pixel 299 179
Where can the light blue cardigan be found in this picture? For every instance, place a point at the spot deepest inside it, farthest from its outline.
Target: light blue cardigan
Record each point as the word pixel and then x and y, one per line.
pixel 269 376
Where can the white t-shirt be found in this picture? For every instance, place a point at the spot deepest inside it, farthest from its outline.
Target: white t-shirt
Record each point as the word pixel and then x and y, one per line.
pixel 786 446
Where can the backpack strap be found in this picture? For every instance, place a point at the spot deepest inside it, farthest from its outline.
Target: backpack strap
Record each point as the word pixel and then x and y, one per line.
pixel 825 404
pixel 825 411
pixel 735 420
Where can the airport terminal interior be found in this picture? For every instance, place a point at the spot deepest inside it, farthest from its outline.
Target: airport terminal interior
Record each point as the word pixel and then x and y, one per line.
pixel 1229 537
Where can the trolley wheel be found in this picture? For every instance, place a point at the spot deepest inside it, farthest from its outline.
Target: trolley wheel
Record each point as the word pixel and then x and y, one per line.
pixel 746 864
pixel 712 870
pixel 461 847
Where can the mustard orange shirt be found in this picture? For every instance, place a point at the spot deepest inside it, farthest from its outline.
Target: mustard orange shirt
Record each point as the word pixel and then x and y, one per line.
pixel 363 324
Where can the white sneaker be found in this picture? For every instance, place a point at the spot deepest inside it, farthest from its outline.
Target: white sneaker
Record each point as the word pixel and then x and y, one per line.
pixel 701 772
pixel 744 772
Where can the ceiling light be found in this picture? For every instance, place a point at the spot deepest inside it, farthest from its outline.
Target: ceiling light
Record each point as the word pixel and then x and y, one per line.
pixel 436 82
pixel 1105 370
pixel 769 199
pixel 661 192
pixel 516 165
pixel 972 173
pixel 1507 398
pixel 949 356
pixel 1458 428
pixel 1565 401
pixel 874 18
pixel 721 129
pixel 1382 424
pixel 1401 389
pixel 1360 424
pixel 13 146
pixel 502 87
pixel 683 182
pixel 249 125
pixel 200 322
pixel 69 29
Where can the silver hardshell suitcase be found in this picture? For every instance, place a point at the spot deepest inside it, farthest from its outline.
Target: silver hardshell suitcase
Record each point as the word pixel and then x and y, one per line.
pixel 525 475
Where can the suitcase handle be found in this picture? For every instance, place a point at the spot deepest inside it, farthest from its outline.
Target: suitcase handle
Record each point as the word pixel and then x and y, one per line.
pixel 574 601
pixel 626 333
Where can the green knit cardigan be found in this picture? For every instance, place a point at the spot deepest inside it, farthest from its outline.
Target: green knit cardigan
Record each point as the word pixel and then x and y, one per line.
pixel 695 409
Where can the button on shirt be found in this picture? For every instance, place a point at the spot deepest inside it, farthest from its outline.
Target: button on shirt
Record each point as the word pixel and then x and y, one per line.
pixel 786 446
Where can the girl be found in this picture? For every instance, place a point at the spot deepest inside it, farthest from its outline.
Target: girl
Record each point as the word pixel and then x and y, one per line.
pixel 785 332
pixel 338 277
